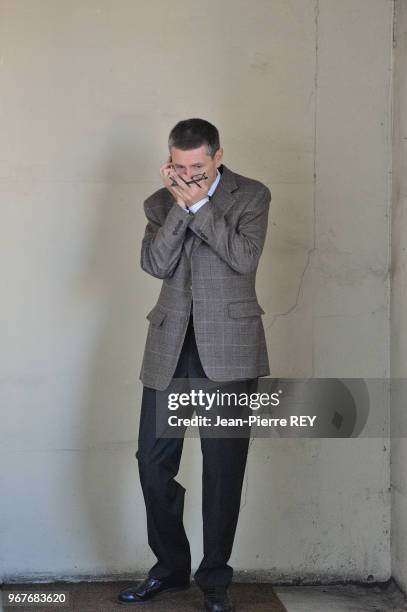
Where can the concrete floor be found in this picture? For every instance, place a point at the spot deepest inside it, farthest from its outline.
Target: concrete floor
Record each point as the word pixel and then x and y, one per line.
pixel 342 598
pixel 248 597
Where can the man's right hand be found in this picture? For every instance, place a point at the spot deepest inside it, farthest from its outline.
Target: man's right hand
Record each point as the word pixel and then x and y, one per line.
pixel 167 174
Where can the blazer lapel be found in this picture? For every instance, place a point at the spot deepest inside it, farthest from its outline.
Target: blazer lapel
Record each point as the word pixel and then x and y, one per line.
pixel 190 241
pixel 221 201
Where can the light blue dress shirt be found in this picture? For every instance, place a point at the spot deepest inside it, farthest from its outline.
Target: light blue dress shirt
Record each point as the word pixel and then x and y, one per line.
pixel 197 205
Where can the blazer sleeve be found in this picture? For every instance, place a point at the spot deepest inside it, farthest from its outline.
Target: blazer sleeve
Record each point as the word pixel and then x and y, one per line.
pixel 162 243
pixel 241 246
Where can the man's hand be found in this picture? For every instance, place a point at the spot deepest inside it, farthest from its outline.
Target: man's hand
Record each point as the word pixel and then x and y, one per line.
pixel 185 194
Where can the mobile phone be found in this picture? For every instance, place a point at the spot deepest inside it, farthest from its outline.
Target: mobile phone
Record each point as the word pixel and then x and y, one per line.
pixel 174 183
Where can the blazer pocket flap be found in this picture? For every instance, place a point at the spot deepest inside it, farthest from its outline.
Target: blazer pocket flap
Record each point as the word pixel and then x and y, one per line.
pixel 245 309
pixel 156 316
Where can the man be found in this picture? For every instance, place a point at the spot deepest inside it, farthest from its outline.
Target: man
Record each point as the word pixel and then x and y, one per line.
pixel 204 237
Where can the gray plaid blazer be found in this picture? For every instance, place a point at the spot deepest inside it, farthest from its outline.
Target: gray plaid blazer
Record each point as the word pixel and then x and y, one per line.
pixel 208 262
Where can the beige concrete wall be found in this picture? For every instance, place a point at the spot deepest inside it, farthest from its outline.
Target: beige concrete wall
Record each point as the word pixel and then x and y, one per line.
pixel 90 89
pixel 399 302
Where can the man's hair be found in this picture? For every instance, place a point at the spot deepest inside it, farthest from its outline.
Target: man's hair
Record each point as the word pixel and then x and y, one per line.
pixel 192 134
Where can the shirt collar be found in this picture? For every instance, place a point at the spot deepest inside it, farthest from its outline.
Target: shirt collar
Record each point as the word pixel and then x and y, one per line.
pixel 215 183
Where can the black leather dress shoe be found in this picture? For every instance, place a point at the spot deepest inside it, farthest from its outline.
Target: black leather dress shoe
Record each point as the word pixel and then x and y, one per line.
pixel 149 588
pixel 217 600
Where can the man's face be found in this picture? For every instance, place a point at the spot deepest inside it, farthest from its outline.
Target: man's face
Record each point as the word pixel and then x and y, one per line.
pixel 189 163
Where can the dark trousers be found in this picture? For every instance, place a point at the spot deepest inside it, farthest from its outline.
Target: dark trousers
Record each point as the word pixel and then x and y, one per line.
pixel 223 467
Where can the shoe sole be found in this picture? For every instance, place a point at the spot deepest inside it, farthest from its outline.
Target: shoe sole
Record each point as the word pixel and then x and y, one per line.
pixel 146 601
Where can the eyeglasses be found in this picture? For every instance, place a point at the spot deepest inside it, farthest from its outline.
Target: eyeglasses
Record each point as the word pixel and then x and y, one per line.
pixel 194 179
